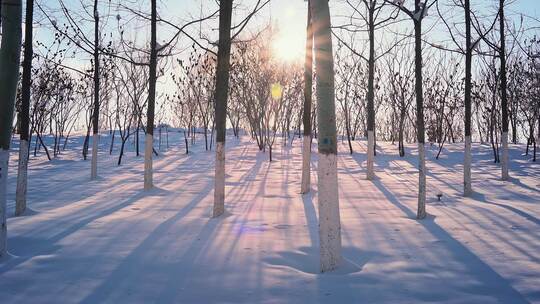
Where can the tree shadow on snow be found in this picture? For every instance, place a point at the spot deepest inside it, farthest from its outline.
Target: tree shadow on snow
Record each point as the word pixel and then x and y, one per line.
pixel 490 282
pixel 48 246
pixel 481 198
pixel 147 258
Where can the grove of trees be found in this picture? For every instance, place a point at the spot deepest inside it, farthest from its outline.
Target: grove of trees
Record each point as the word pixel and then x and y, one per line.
pixel 423 71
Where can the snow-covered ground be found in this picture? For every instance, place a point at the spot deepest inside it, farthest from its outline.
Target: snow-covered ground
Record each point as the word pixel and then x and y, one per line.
pixel 108 241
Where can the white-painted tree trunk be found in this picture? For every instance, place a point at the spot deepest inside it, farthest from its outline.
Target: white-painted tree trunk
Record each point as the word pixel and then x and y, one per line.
pixel 219 189
pixel 329 219
pixel 306 165
pixel 4 161
pixel 22 179
pixel 421 181
pixel 467 185
pixel 93 170
pixel 504 160
pixel 370 174
pixel 148 145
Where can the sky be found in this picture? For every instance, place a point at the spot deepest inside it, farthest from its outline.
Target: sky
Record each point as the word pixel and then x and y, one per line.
pixel 288 18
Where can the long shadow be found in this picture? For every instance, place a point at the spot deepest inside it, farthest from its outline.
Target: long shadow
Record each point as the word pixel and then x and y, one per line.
pixel 47 246
pixel 178 280
pixel 128 267
pixel 332 286
pixel 479 197
pixel 485 213
pixel 178 273
pixel 493 284
pixel 517 182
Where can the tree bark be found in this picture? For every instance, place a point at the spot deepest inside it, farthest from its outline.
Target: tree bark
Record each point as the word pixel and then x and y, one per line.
pixel 420 133
pixel 308 88
pixel 504 95
pixel 24 123
pixel 149 140
pixel 329 219
pixel 467 186
pixel 371 94
pixel 95 116
pixel 10 53
pixel 221 94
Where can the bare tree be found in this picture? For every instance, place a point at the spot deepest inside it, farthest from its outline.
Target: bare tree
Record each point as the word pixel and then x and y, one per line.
pixel 149 140
pixel 222 90
pixel 10 53
pixel 308 88
pixel 22 173
pixel 329 219
pixel 417 15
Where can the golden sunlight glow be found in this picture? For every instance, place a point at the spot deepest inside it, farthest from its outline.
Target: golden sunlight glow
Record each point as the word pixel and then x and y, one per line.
pixel 289 31
pixel 288 47
pixel 276 91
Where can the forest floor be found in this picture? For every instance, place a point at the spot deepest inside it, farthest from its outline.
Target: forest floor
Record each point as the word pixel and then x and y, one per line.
pixel 108 241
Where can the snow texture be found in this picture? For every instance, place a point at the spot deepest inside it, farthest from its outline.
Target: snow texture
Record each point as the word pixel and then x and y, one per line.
pixel 108 241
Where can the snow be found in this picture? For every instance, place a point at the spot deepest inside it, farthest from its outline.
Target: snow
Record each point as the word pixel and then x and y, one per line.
pixel 108 241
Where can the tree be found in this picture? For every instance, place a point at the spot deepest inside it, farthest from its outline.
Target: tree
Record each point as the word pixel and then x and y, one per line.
pixel 419 13
pixel 329 219
pixel 504 93
pixel 22 173
pixel 374 19
pixel 400 92
pixel 95 113
pixel 221 94
pixel 10 53
pixel 350 84
pixel 149 140
pixel 308 88
pixel 467 184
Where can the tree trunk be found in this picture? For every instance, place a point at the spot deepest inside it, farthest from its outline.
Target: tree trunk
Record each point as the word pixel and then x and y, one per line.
pixel 95 116
pixel 329 219
pixel 85 144
pixel 348 131
pixel 112 142
pixel 206 137
pixel 121 152
pixel 401 145
pixel 137 152
pixel 221 94
pixel 9 76
pixel 420 133
pixel 504 95
pixel 467 186
pixel 24 123
pixel 186 142
pixel 308 88
pixel 371 94
pixel 149 140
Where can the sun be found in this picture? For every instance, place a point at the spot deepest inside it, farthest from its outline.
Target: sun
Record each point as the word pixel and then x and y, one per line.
pixel 288 47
